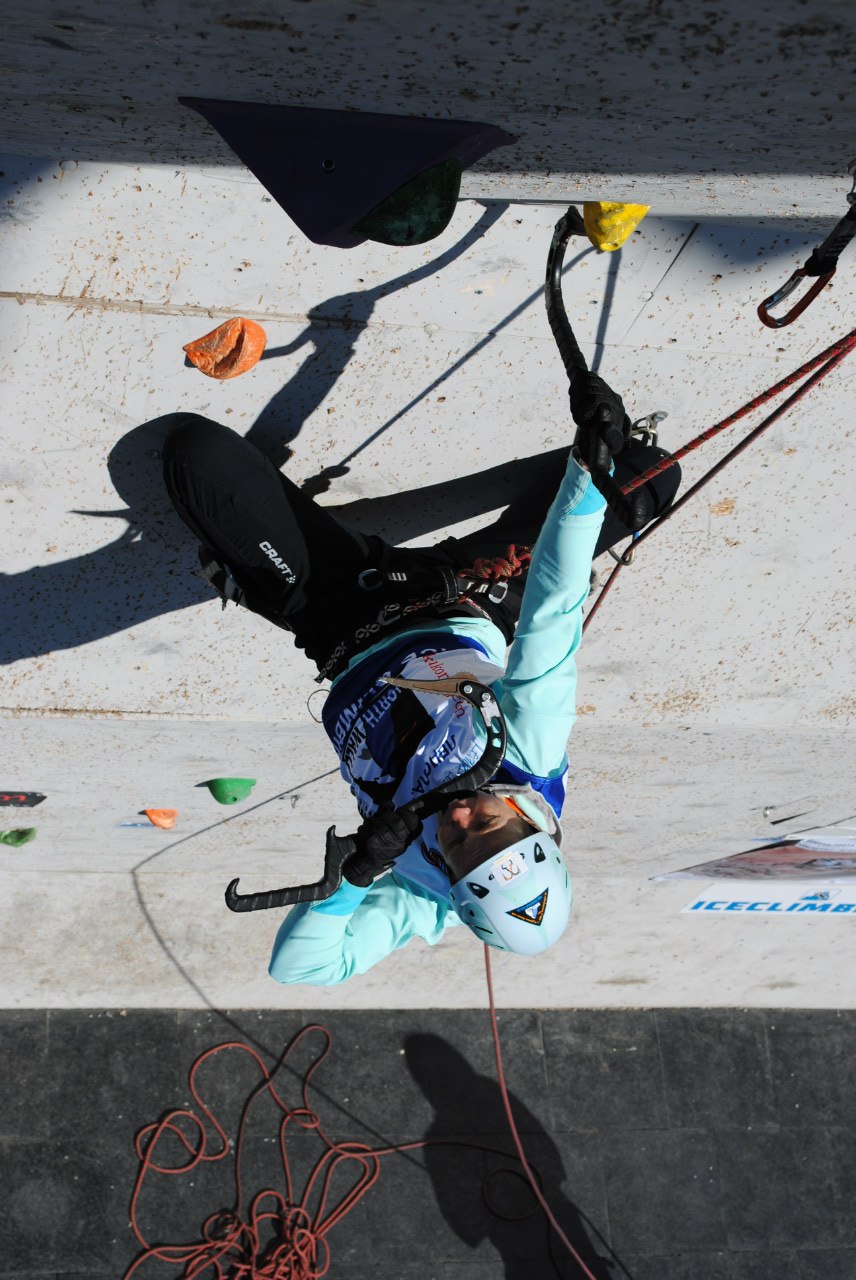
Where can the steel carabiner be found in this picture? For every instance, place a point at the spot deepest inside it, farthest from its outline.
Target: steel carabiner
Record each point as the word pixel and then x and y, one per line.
pixel 821 264
pixel 778 322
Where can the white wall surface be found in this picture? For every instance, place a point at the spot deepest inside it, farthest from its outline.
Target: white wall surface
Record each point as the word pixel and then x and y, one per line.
pixel 718 679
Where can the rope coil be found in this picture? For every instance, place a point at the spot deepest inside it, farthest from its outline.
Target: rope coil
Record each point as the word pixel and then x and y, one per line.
pixel 282 1234
pixel 499 568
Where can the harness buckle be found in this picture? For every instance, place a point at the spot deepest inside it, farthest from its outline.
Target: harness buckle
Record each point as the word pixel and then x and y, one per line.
pixel 370 579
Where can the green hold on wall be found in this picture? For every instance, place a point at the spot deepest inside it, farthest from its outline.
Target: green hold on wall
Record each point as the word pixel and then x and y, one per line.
pixel 230 790
pixel 21 835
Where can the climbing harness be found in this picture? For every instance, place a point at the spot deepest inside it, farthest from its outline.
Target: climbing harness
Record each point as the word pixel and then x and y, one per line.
pixel 339 849
pixel 820 266
pixel 404 594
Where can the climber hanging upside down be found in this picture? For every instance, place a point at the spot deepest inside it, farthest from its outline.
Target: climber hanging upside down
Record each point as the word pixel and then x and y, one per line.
pixel 363 612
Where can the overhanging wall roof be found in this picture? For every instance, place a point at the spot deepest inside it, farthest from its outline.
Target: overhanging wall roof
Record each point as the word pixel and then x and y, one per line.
pixel 738 110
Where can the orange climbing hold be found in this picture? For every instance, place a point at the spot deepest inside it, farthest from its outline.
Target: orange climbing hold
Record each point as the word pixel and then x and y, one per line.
pixel 164 818
pixel 229 350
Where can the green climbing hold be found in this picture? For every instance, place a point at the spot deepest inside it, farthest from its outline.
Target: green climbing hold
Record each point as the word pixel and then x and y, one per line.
pixel 418 211
pixel 21 835
pixel 230 790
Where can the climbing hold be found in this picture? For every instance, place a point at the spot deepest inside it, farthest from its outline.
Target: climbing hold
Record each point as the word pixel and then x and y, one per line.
pixel 21 799
pixel 609 224
pixel 229 350
pixel 230 790
pixel 22 835
pixel 164 818
pixel 333 171
pixel 418 211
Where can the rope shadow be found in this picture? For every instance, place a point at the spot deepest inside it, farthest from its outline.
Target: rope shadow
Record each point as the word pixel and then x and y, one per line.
pixel 333 332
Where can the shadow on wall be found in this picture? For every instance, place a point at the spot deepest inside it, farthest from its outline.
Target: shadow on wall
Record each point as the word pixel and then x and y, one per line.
pixel 482 1195
pixel 333 330
pixel 150 569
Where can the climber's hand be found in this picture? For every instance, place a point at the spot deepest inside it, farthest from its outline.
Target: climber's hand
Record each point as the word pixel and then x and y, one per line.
pixel 379 841
pixel 603 426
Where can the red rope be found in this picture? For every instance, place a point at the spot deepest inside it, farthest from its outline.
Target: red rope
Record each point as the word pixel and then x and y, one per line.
pixel 521 1154
pixel 277 1235
pixel 822 364
pixel 496 568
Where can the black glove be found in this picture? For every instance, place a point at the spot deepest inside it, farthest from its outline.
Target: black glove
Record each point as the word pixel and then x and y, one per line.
pixel 379 841
pixel 599 414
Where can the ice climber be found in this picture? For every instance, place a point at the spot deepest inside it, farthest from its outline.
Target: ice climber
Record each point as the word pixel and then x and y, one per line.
pixel 363 610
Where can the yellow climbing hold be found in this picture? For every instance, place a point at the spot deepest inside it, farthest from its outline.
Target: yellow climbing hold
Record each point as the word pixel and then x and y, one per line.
pixel 609 224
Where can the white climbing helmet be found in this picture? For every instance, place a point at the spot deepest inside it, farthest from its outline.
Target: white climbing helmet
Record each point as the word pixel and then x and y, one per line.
pixel 519 899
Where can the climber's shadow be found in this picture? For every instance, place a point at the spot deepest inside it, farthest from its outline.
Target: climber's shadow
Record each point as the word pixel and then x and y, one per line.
pixel 146 570
pixel 482 1195
pixel 149 568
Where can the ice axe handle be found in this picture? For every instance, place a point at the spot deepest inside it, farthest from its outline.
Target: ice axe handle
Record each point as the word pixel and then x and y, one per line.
pixel 338 850
pixel 631 509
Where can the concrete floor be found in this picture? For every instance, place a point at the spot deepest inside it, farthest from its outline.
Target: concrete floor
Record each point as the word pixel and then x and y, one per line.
pixel 676 1145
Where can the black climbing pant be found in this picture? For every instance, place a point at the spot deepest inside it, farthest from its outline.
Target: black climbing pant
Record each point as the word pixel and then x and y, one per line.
pixel 299 567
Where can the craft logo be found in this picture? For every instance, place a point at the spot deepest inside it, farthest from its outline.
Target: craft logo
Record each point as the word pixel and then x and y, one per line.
pixel 275 558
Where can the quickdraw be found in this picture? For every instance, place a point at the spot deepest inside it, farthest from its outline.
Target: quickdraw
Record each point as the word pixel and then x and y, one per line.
pixel 478 696
pixel 820 266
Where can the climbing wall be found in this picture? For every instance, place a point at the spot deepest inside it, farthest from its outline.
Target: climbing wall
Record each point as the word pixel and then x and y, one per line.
pixel 414 388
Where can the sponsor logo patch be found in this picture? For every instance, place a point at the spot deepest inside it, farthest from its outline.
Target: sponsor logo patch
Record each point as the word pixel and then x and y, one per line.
pixel 277 560
pixel 531 912
pixel 508 868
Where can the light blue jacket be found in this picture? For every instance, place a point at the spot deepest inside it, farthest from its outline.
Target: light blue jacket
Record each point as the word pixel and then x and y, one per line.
pixel 328 942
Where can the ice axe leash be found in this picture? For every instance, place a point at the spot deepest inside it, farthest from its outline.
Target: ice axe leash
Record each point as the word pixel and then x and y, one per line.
pixel 631 511
pixel 464 686
pixel 820 266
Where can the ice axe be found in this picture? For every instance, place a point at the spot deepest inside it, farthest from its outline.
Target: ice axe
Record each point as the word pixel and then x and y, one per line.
pixel 465 686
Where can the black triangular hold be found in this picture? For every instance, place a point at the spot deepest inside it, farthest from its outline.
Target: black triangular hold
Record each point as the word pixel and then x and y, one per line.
pixel 330 169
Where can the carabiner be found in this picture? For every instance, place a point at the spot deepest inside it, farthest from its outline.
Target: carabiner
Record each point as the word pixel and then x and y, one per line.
pixel 821 264
pixel 772 322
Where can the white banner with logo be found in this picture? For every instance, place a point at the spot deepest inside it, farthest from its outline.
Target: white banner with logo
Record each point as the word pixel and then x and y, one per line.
pixel 752 898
